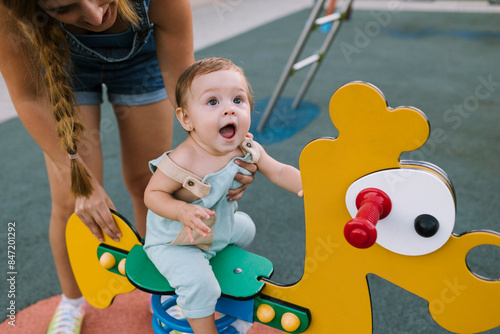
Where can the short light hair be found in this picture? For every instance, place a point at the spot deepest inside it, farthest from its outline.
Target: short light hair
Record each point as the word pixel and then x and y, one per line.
pixel 202 67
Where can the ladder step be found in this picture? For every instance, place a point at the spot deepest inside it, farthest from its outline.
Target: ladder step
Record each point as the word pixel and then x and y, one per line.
pixel 306 62
pixel 328 18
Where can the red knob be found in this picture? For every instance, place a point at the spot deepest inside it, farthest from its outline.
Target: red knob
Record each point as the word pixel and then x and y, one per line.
pixel 373 204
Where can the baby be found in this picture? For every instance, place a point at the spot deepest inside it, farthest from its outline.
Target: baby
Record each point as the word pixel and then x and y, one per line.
pixel 190 218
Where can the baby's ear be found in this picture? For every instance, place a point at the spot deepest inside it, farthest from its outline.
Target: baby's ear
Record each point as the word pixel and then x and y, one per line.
pixel 183 118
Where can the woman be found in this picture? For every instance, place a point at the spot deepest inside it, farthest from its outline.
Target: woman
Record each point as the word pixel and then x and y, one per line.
pixel 138 48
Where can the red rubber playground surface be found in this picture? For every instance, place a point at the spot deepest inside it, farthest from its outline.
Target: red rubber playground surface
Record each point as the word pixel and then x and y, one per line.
pixel 129 314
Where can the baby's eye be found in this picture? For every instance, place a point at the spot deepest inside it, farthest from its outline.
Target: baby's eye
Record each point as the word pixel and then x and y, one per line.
pixel 213 102
pixel 237 100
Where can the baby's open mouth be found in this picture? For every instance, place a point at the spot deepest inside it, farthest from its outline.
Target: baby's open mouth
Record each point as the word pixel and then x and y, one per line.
pixel 228 131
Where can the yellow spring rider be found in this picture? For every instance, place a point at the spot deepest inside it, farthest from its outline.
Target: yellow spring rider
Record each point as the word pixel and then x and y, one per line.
pixel 366 211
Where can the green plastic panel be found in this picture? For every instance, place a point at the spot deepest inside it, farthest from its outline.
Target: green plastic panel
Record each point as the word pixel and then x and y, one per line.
pixel 237 271
pixel 142 273
pixel 280 308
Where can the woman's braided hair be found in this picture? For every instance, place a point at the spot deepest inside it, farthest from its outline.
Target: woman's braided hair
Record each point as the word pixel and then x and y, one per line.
pixel 51 52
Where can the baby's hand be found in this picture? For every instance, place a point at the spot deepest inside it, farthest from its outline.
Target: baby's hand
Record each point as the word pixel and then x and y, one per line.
pixel 300 193
pixel 190 218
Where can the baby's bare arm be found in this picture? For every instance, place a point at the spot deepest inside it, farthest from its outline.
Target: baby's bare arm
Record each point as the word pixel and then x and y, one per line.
pixel 283 175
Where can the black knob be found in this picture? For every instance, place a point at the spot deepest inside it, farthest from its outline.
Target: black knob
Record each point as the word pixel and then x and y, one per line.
pixel 426 225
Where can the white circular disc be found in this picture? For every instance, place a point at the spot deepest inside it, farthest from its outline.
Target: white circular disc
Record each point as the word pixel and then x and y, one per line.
pixel 413 192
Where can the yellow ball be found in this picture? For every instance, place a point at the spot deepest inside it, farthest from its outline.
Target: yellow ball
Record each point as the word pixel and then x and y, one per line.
pixel 265 313
pixel 107 260
pixel 290 322
pixel 121 267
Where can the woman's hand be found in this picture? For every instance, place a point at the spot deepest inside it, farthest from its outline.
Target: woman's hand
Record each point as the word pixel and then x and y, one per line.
pixel 94 212
pixel 235 194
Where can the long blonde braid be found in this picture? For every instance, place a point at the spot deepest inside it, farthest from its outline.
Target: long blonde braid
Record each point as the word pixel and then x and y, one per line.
pixel 45 35
pixel 55 58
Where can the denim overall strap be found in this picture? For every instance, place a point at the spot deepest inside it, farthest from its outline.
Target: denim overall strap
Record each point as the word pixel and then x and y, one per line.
pixel 141 35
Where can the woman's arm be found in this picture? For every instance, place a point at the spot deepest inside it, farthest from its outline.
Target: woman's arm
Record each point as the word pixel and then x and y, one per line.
pixel 23 77
pixel 284 176
pixel 24 81
pixel 173 32
pixel 158 198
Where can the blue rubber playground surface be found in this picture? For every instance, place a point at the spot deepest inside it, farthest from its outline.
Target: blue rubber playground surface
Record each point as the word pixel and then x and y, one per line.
pixel 443 63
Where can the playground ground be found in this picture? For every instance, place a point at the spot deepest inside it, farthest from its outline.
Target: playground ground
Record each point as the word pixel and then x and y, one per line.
pixel 441 57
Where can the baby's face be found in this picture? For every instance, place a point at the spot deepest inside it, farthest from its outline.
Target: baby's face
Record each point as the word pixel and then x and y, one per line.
pixel 219 109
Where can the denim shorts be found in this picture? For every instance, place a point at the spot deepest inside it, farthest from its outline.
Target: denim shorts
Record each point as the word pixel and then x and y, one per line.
pixel 136 81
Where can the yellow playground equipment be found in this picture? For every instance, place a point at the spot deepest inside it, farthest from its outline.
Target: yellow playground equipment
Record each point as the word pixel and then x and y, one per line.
pixel 377 213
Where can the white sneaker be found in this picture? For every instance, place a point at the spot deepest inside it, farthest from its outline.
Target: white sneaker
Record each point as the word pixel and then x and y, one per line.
pixel 67 319
pixel 241 326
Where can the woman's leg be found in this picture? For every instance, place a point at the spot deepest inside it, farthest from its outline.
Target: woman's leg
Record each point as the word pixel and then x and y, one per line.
pixel 145 133
pixel 63 204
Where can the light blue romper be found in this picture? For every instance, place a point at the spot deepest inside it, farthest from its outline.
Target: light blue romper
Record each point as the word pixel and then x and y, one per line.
pixel 186 266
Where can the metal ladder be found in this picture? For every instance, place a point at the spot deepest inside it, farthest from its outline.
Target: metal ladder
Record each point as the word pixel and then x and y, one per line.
pixel 315 59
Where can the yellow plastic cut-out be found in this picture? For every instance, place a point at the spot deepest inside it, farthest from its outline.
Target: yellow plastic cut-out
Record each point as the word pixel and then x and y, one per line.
pixel 98 285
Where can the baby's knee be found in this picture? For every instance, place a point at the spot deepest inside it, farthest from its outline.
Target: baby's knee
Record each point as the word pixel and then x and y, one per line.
pixel 244 229
pixel 200 300
pixel 212 291
pixel 208 287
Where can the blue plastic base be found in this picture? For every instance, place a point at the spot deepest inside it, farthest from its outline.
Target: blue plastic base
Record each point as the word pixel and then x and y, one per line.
pixel 325 28
pixel 164 323
pixel 284 121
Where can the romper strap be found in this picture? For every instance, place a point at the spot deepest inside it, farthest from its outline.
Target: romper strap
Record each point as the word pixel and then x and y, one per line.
pixel 189 181
pixel 248 146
